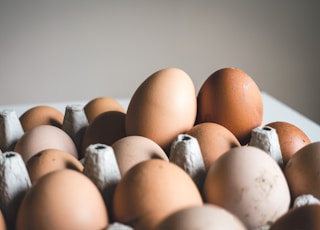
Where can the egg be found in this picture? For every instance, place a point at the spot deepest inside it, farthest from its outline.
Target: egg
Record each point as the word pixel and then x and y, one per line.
pixel 99 105
pixel 291 138
pixel 41 115
pixel 152 190
pixel 131 150
pixel 231 98
pixel 214 140
pixel 247 182
pixel 302 171
pixel 49 160
pixel 201 218
pixel 162 107
pixel 44 137
pixel 305 217
pixel 63 199
pixel 106 128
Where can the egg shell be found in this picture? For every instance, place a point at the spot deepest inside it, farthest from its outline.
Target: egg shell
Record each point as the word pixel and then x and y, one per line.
pixel 231 98
pixel 49 160
pixel 247 182
pixel 44 137
pixel 214 140
pixel 41 115
pixel 302 171
pixel 162 107
pixel 131 150
pixel 106 128
pixel 291 138
pixel 98 105
pixel 305 217
pixel 150 191
pixel 3 225
pixel 202 217
pixel 63 199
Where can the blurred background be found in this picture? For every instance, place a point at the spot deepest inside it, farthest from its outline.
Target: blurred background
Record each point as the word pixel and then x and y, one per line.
pixel 67 50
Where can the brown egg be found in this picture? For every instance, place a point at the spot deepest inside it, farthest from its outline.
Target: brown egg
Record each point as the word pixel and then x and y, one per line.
pixel 106 128
pixel 247 182
pixel 231 98
pixel 202 217
pixel 291 138
pixel 214 140
pixel 162 107
pixel 99 105
pixel 63 199
pixel 3 225
pixel 131 150
pixel 41 115
pixel 305 217
pixel 302 171
pixel 150 191
pixel 50 160
pixel 44 137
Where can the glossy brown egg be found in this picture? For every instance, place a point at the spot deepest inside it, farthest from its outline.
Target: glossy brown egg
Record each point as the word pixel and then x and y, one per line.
pixel 44 137
pixel 202 217
pixel 131 150
pixel 162 107
pixel 250 184
pixel 150 191
pixel 50 160
pixel 291 138
pixel 64 199
pixel 106 128
pixel 214 140
pixel 232 99
pixel 302 171
pixel 41 115
pixel 99 105
pixel 305 217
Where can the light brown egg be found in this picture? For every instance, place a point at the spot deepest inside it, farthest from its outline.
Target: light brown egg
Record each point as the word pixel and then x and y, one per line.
pixel 302 171
pixel 50 160
pixel 247 182
pixel 3 225
pixel 214 140
pixel 231 98
pixel 162 107
pixel 131 150
pixel 291 138
pixel 99 105
pixel 63 199
pixel 150 191
pixel 44 137
pixel 106 128
pixel 202 217
pixel 41 115
pixel 305 217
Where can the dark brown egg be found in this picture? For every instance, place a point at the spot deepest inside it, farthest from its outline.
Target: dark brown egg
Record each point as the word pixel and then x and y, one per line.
pixel 41 115
pixel 232 99
pixel 305 217
pixel 106 128
pixel 291 138
pixel 99 105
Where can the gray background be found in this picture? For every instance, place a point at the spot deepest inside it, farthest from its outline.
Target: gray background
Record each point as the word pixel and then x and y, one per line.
pixel 53 51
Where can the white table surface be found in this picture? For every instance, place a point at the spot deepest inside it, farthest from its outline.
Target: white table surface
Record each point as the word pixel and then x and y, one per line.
pixel 274 110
